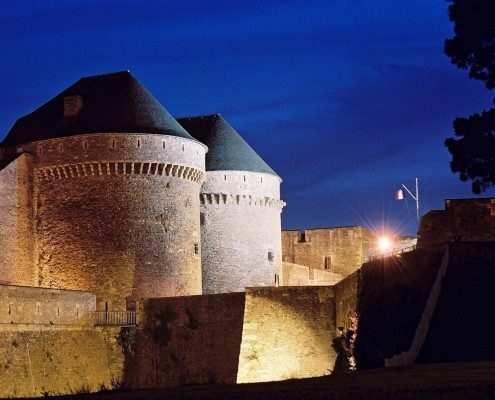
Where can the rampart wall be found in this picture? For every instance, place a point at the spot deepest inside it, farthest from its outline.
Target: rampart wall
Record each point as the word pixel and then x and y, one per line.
pixel 340 250
pixel 240 230
pixel 32 306
pixel 186 340
pixel 118 215
pixel 38 363
pixel 233 337
pixel 16 210
pixel 461 220
pixel 287 333
pixel 346 300
pixel 49 344
pixel 300 275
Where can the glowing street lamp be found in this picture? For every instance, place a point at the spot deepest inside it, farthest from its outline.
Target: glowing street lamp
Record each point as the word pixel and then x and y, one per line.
pixel 384 245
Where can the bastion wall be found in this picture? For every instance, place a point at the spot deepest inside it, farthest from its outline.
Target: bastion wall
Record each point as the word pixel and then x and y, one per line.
pixel 118 215
pixel 16 211
pixel 461 220
pixel 36 363
pixel 49 344
pixel 240 230
pixel 287 333
pixel 31 306
pixel 300 275
pixel 341 250
pixel 252 336
pixel 186 340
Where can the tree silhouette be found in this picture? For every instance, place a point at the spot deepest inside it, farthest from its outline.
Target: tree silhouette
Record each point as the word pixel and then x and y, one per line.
pixel 473 48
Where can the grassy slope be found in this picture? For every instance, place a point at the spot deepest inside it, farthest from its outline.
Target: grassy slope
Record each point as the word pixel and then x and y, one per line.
pixel 463 325
pixel 392 295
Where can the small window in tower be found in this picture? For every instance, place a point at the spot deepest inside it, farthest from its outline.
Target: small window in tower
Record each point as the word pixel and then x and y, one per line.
pixel 196 248
pixel 244 178
pixel 328 262
pixel 85 144
pixel 271 255
pixel 225 177
pixel 138 143
pixel 202 219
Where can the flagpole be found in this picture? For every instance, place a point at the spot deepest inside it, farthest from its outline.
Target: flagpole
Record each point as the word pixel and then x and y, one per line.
pixel 416 198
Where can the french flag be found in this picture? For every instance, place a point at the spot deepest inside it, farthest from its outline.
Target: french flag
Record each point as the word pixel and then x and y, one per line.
pixel 399 195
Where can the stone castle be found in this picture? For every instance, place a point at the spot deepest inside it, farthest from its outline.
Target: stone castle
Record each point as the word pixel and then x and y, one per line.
pixel 106 192
pixel 140 250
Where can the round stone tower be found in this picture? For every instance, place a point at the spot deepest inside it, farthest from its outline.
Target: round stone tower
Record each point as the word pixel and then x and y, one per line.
pixel 240 210
pixel 117 187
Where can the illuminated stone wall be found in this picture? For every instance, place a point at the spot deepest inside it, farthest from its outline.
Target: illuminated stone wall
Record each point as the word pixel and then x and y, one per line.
pixel 16 211
pixel 41 362
pixel 300 275
pixel 340 250
pixel 262 334
pixel 21 305
pixel 118 215
pixel 346 300
pixel 49 344
pixel 287 334
pixel 240 230
pixel 463 219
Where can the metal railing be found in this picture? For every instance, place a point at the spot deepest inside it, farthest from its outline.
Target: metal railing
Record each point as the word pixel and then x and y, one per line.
pixel 409 357
pixel 115 318
pixel 390 253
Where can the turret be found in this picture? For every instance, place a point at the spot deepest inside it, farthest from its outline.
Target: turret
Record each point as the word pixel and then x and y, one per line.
pixel 240 210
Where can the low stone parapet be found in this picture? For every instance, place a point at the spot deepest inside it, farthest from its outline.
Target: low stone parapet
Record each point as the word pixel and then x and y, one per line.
pixel 26 305
pixel 301 275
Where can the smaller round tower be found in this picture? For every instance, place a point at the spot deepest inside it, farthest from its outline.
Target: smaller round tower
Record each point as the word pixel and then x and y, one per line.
pixel 240 210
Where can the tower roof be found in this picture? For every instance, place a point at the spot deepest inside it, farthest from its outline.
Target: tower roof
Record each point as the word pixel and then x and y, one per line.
pixel 114 102
pixel 227 150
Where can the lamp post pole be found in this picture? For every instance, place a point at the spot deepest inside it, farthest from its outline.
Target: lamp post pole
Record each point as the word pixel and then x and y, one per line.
pixel 416 198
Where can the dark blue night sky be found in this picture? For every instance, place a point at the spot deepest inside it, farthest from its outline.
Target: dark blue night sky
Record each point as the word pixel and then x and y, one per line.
pixel 345 99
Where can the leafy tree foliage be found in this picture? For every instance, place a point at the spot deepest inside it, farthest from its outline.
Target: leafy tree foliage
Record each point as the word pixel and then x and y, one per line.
pixel 473 48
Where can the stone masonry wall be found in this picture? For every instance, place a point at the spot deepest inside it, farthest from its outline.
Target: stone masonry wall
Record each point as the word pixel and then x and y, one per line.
pixel 340 250
pixel 16 210
pixel 31 306
pixel 38 363
pixel 240 230
pixel 462 219
pixel 300 275
pixel 346 300
pixel 186 340
pixel 118 215
pixel 287 333
pixel 262 334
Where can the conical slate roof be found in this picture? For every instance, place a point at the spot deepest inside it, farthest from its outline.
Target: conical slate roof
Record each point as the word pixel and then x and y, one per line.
pixel 227 150
pixel 107 103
